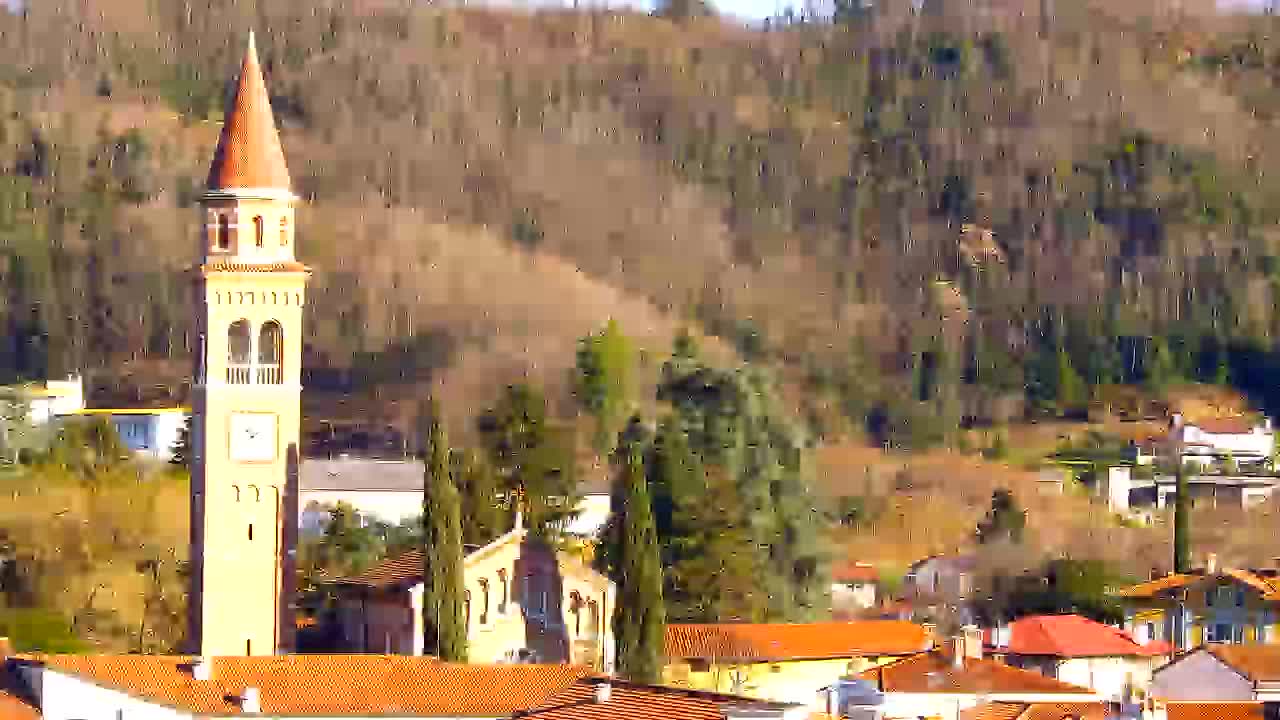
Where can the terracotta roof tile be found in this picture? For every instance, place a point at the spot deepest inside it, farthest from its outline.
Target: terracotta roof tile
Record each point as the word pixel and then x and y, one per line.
pixel 934 672
pixel 1258 662
pixel 1268 586
pixel 855 572
pixel 249 154
pixel 1036 711
pixel 762 642
pixel 1225 425
pixel 402 569
pixel 1070 636
pixel 322 685
pixel 629 701
pixel 1214 710
pixel 1151 588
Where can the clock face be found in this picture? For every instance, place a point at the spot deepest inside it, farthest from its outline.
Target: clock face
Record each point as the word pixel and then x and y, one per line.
pixel 253 437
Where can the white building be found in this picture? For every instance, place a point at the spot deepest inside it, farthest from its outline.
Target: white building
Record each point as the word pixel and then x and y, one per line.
pixel 148 432
pixel 1210 442
pixel 56 398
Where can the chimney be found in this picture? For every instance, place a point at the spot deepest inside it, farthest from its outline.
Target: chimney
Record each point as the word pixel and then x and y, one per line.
pixel 251 701
pixel 931 630
pixel 1211 564
pixel 202 668
pixel 972 641
pixel 604 691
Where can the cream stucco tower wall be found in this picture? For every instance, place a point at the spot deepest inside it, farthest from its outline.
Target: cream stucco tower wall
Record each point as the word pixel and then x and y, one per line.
pixel 250 294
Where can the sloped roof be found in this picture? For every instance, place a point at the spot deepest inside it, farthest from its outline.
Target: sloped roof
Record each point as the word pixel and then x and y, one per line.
pixel 764 642
pixel 1268 586
pixel 1036 711
pixel 1071 636
pixel 1258 662
pixel 934 672
pixel 855 572
pixel 1214 710
pixel 1226 425
pixel 630 701
pixel 320 685
pixel 249 154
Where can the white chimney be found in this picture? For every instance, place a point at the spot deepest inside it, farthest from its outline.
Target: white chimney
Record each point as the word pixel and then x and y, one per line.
pixel 202 668
pixel 251 701
pixel 604 691
pixel 1211 564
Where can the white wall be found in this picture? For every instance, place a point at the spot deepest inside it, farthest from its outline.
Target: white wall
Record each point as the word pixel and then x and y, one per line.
pixel 593 513
pixel 853 595
pixel 66 697
pixel 391 506
pixel 1200 676
pixel 1111 677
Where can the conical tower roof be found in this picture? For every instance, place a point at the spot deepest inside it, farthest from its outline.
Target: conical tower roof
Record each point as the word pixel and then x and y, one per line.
pixel 249 154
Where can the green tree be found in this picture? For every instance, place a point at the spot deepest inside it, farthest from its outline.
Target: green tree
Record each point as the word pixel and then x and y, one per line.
pixel 639 618
pixel 39 630
pixel 533 456
pixel 444 624
pixel 1182 523
pixel 1006 520
pixel 345 547
pixel 1072 393
pixel 88 446
pixel 1160 369
pixel 602 381
pixel 484 518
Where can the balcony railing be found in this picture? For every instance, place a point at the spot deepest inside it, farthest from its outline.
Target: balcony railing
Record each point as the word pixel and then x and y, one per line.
pixel 248 374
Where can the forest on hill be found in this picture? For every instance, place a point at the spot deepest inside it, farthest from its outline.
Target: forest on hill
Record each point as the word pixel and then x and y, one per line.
pixel 918 219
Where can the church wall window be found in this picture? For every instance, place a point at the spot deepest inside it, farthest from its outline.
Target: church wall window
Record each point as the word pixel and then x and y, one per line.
pixel 239 352
pixel 224 233
pixel 270 353
pixel 484 606
pixel 259 231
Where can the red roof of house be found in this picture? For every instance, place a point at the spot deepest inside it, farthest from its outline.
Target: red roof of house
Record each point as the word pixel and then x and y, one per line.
pixel 1070 636
pixel 630 701
pixel 936 672
pixel 249 154
pixel 855 572
pixel 767 642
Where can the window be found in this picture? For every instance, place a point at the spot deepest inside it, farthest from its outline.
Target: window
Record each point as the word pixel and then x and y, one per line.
pixel 504 594
pixel 484 607
pixel 250 532
pixel 1225 633
pixel 284 232
pixel 224 233
pixel 248 647
pixel 239 352
pixel 270 353
pixel 1239 598
pixel 259 235
pixel 466 608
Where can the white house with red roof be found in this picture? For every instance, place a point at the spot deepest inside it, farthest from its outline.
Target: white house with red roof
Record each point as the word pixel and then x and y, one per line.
pixel 1079 651
pixel 1210 441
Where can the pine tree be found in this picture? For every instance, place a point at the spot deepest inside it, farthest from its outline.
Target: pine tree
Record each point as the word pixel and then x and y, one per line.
pixel 483 518
pixel 1006 520
pixel 639 618
pixel 602 381
pixel 444 628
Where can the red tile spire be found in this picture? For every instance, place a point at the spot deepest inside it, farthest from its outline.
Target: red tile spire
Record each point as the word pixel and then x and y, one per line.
pixel 249 154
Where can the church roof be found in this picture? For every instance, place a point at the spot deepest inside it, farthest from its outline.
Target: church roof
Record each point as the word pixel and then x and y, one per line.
pixel 249 153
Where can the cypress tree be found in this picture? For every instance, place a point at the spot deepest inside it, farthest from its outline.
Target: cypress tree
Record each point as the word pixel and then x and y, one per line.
pixel 639 618
pixel 444 625
pixel 1182 523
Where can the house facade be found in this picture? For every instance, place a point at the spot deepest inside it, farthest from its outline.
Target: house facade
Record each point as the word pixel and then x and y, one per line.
pixel 1079 651
pixel 1206 443
pixel 522 599
pixel 1207 605
pixel 1221 673
pixel 854 587
pixel 785 662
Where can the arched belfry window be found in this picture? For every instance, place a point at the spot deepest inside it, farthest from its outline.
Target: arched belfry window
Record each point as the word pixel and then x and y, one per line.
pixel 284 231
pixel 270 353
pixel 259 231
pixel 239 352
pixel 224 233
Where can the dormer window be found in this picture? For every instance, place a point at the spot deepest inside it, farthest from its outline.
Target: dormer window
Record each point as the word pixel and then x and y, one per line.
pixel 259 231
pixel 284 232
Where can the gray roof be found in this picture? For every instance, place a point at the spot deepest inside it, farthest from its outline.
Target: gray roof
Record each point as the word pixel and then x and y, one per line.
pixel 360 474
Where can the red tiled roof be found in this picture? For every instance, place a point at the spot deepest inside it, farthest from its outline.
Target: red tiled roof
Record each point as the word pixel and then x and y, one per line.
pixel 1214 710
pixel 1070 636
pixel 629 701
pixel 406 568
pixel 1036 711
pixel 855 572
pixel 934 672
pixel 765 642
pixel 1258 662
pixel 1268 587
pixel 249 154
pixel 321 685
pixel 1225 425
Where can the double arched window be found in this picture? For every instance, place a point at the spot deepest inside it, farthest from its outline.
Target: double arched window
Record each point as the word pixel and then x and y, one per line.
pixel 244 366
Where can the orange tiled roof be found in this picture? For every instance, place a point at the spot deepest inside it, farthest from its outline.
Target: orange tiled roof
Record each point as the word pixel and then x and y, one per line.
pixel 406 568
pixel 764 642
pixel 934 672
pixel 1269 587
pixel 1036 711
pixel 249 154
pixel 1214 710
pixel 1225 425
pixel 1071 636
pixel 1258 662
pixel 855 572
pixel 642 702
pixel 321 685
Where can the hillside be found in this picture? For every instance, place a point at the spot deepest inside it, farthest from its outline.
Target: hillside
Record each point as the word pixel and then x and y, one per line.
pixel 483 187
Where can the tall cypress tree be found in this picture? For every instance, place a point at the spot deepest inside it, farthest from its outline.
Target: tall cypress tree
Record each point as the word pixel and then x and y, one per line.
pixel 1182 522
pixel 444 625
pixel 639 618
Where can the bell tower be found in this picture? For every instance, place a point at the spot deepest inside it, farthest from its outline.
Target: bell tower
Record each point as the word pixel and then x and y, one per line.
pixel 250 291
